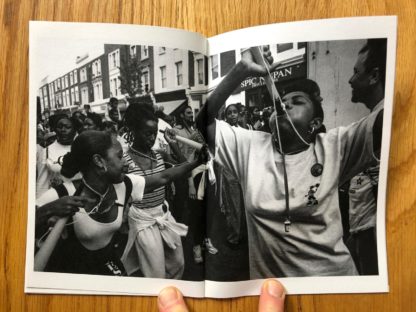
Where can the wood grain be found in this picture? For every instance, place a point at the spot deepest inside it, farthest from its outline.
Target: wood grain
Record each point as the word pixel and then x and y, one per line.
pixel 209 18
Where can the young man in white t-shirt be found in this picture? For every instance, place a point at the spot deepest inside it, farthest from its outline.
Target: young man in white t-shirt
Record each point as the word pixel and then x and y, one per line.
pixel 316 163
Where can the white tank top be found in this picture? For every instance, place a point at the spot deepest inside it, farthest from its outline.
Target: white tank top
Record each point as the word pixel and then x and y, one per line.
pixel 93 234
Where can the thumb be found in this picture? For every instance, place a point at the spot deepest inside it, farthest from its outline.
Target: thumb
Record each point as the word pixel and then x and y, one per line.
pixel 272 297
pixel 170 300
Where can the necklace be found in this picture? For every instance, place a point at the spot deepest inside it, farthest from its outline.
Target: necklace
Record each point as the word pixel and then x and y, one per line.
pixel 142 154
pixel 152 159
pixel 94 210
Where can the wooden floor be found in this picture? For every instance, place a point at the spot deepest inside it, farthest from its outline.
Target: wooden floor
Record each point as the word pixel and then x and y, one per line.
pixel 209 18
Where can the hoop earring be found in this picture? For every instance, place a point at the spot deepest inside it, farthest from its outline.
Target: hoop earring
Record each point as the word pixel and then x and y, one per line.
pixel 312 130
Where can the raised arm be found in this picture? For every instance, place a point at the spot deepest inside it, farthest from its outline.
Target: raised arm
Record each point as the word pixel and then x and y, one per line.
pixel 205 120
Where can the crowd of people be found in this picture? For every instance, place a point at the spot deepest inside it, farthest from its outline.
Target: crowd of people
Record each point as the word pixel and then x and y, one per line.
pixel 113 177
pixel 132 194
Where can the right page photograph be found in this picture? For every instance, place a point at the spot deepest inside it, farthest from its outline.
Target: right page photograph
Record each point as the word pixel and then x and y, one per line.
pixel 298 119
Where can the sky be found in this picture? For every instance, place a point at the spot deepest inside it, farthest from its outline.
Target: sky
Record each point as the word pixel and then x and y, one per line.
pixel 56 57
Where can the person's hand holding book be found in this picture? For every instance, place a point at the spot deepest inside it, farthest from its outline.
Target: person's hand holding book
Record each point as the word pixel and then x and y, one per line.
pixel 272 298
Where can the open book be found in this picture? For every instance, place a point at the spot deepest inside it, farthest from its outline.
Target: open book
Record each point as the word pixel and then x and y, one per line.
pixel 297 119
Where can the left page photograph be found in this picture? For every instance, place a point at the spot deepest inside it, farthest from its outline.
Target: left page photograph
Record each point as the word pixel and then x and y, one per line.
pixel 116 194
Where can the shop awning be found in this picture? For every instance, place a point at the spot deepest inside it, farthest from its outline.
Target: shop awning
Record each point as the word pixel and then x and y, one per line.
pixel 171 106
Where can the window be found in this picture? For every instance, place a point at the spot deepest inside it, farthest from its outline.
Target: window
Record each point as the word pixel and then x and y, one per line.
pixel 66 81
pixel 45 101
pixel 76 94
pixel 84 95
pixel 115 86
pixel 98 91
pixel 284 47
pixel 179 75
pixel 145 80
pixel 58 101
pixel 63 83
pixel 110 61
pixel 71 78
pixel 83 74
pixel 114 59
pixel 214 67
pixel 75 76
pixel 200 70
pixel 162 50
pixel 68 100
pixel 98 65
pixel 227 61
pixel 133 51
pixel 163 76
pixel 73 95
pixel 55 85
pixel 96 68
pixel 59 84
pixel 145 51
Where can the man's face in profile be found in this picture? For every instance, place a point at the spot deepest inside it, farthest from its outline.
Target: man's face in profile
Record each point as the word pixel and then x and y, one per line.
pixel 360 80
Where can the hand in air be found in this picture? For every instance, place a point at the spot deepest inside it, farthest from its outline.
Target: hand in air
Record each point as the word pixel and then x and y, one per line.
pixel 254 67
pixel 170 136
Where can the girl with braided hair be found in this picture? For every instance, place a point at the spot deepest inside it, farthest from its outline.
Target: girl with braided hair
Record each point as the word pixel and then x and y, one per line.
pixel 154 244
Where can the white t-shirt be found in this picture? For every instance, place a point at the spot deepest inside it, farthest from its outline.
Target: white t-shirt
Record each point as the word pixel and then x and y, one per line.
pixel 48 169
pixel 362 203
pixel 362 199
pixel 314 245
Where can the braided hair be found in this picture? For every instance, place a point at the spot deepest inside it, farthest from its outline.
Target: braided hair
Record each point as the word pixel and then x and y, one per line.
pixel 137 114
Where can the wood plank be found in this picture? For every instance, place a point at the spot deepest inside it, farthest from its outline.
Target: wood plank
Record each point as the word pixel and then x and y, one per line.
pixel 209 18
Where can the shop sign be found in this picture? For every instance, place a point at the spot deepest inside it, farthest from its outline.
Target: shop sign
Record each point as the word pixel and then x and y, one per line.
pixel 279 75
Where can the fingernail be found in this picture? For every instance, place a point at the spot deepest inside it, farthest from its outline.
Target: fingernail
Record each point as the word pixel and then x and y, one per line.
pixel 168 297
pixel 275 289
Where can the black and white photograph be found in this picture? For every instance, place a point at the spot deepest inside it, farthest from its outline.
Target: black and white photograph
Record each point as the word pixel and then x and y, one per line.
pixel 159 156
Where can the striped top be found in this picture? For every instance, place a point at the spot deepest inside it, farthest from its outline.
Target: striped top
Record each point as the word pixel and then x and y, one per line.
pixel 157 196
